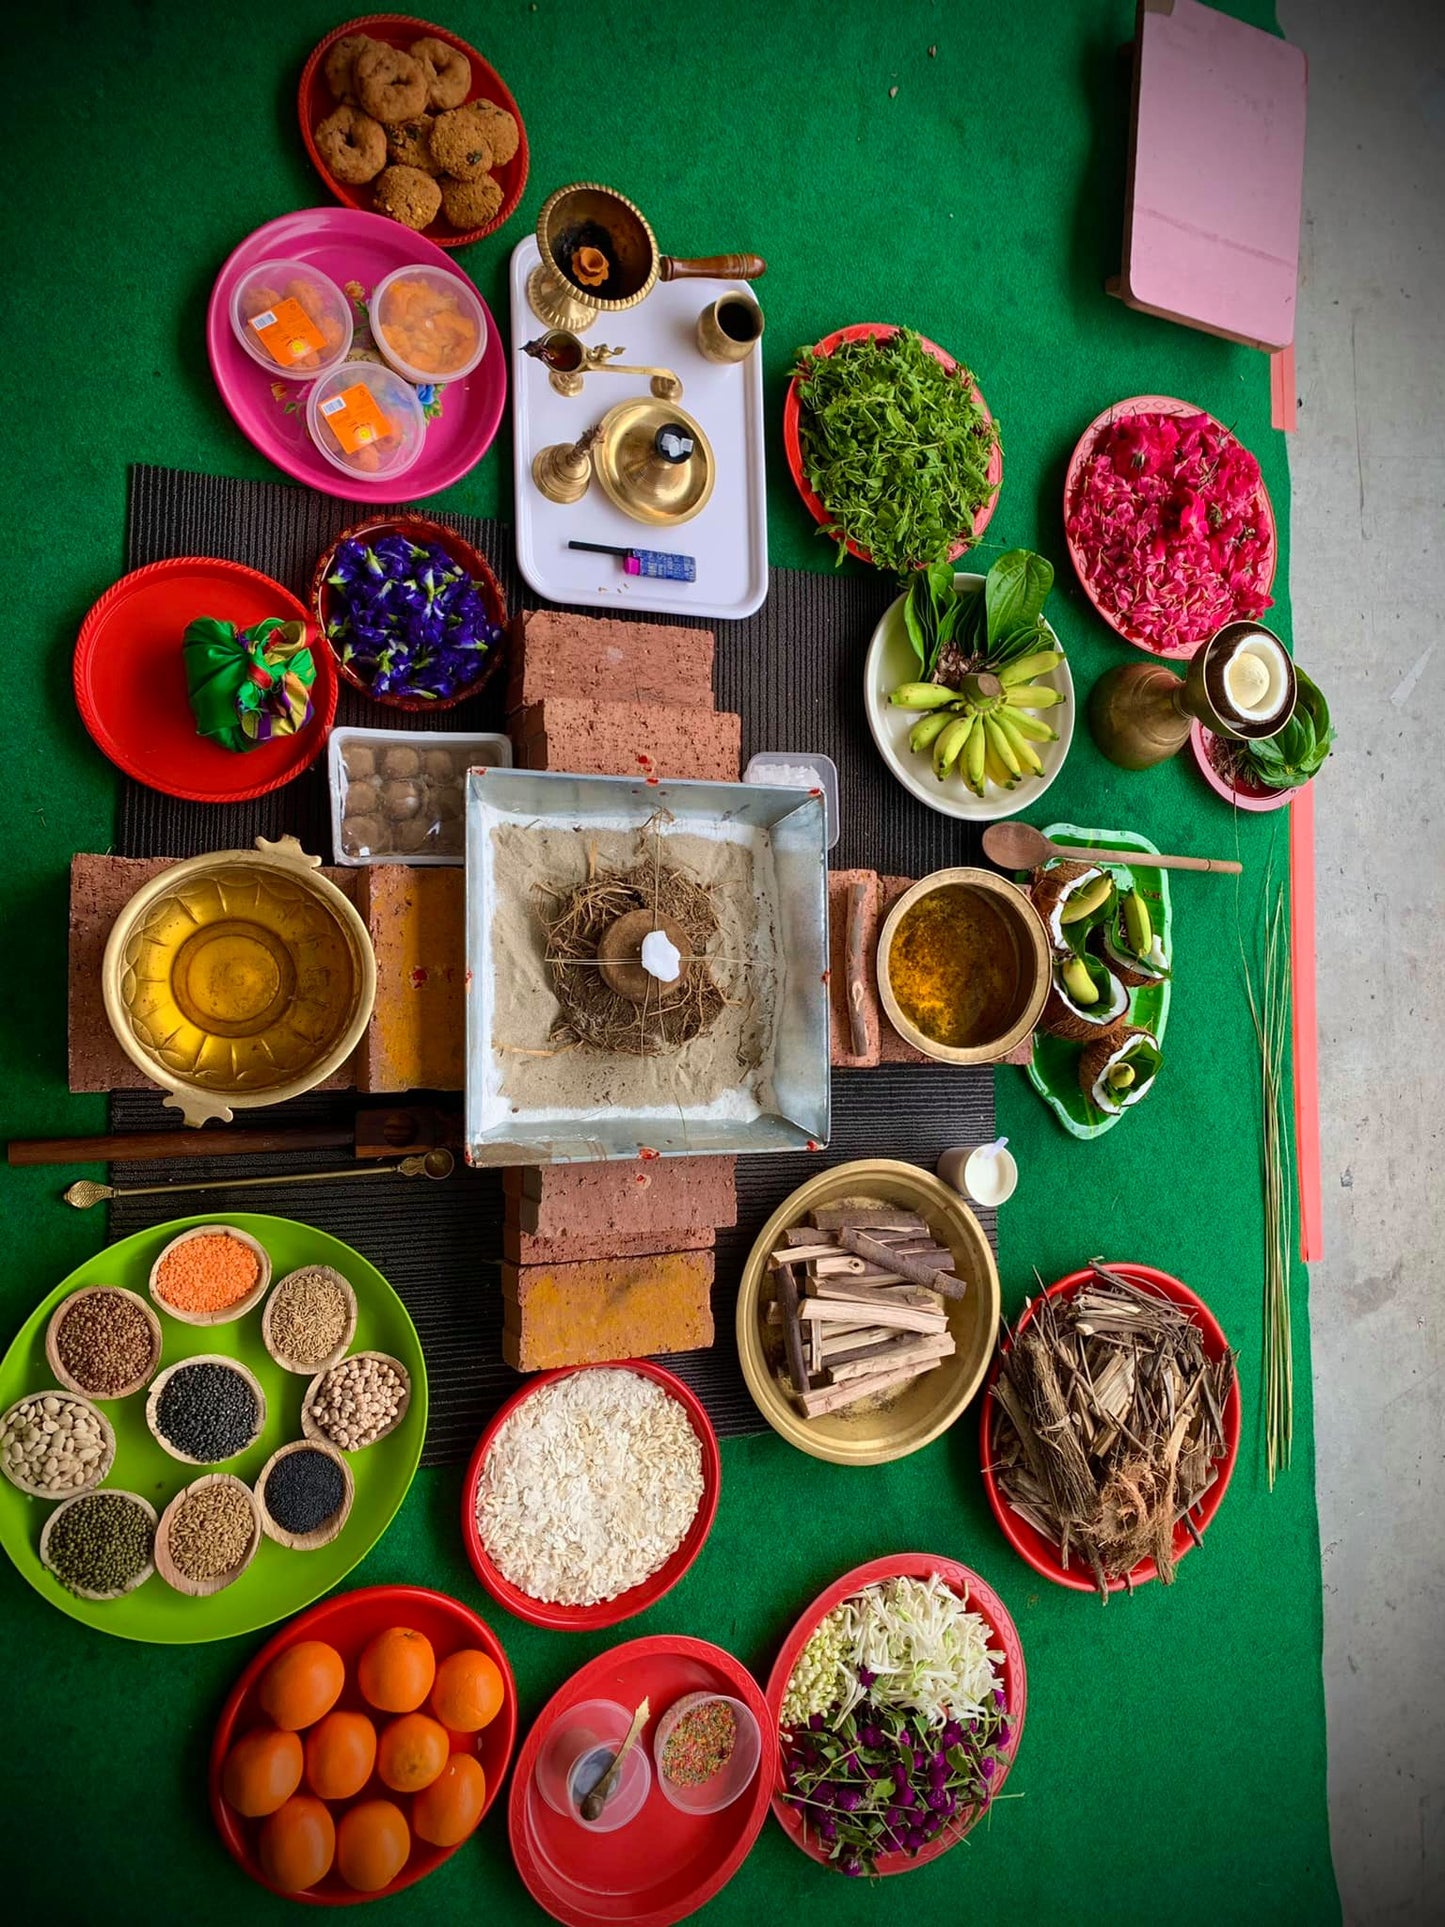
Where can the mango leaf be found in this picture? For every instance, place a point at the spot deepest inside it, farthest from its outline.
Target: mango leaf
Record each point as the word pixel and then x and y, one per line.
pixel 1015 591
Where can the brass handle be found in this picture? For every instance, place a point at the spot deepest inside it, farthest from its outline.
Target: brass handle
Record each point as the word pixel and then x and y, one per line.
pixel 712 267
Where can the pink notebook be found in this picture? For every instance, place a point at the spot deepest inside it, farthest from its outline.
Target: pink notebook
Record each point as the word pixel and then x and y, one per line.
pixel 1216 169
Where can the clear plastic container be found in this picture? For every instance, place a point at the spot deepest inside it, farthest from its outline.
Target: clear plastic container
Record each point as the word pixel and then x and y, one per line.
pixel 736 1773
pixel 790 770
pixel 291 320
pixel 429 324
pixel 578 1750
pixel 366 420
pixel 397 795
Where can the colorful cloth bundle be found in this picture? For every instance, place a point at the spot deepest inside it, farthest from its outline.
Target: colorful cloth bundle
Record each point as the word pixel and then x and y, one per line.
pixel 247 686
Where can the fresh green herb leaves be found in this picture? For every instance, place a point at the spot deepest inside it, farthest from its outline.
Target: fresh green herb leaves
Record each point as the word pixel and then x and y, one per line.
pixel 953 632
pixel 1286 761
pixel 895 446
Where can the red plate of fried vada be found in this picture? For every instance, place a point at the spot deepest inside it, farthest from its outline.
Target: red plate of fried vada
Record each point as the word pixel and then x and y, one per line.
pixel 402 118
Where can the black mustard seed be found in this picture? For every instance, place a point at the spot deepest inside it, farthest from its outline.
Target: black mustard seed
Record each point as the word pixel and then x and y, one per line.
pixel 303 1490
pixel 208 1412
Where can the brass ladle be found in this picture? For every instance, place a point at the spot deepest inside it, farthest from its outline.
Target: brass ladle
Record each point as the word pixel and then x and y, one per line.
pixel 570 361
pixel 438 1163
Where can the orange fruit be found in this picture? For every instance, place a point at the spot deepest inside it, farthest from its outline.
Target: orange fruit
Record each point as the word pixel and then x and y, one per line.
pixel 469 1691
pixel 412 1752
pixel 396 1670
pixel 301 1684
pixel 340 1753
pixel 372 1844
pixel 297 1844
pixel 444 1813
pixel 262 1771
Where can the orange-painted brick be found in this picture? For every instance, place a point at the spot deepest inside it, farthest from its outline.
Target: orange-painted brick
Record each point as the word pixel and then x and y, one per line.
pixel 586 1314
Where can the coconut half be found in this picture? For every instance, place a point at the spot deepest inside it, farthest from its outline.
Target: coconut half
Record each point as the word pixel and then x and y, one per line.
pixel 1056 887
pixel 1137 1048
pixel 1133 967
pixel 1084 1023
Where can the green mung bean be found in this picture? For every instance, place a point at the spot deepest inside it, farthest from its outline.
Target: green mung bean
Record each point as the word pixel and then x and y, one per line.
pixel 100 1543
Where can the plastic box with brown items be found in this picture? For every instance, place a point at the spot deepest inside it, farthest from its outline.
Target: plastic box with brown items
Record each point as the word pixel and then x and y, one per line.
pixel 628 739
pixel 611 1308
pixel 558 654
pixel 397 795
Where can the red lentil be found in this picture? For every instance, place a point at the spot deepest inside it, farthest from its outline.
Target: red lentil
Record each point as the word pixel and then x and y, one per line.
pixel 700 1745
pixel 207 1273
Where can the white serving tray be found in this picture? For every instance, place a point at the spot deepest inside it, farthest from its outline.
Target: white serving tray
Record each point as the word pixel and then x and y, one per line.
pixel 729 539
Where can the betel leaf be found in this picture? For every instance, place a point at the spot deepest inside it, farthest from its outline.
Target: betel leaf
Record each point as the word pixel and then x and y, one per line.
pixel 1015 591
pixel 1290 759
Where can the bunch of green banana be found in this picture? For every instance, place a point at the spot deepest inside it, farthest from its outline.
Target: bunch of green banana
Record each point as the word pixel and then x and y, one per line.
pixel 986 729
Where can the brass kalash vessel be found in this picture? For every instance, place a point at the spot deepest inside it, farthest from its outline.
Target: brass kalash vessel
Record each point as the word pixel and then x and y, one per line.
pixel 600 256
pixel 1241 685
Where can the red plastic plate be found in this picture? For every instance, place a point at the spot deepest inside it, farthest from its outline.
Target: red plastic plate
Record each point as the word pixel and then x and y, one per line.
pixel 665 1864
pixel 990 1608
pixel 347 1623
pixel 586 1619
pixel 314 102
pixel 1040 1552
pixel 130 681
pixel 793 445
pixel 1084 447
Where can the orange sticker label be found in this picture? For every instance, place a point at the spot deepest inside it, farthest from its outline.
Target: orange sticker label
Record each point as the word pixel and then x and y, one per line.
pixel 355 418
pixel 288 332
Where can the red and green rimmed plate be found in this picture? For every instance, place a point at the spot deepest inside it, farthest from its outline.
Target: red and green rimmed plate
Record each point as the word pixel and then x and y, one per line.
pixel 314 101
pixel 983 1600
pixel 1054 1067
pixel 348 1623
pixel 793 437
pixel 1031 1545
pixel 278 1581
pixel 664 1864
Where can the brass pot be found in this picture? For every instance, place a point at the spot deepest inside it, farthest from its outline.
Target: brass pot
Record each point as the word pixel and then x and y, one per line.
pixel 238 979
pixel 1020 933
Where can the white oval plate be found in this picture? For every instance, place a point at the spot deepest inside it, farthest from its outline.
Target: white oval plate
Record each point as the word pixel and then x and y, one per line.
pixel 891 661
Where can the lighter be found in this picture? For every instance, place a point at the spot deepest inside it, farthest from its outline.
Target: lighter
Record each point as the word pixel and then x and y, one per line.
pixel 656 563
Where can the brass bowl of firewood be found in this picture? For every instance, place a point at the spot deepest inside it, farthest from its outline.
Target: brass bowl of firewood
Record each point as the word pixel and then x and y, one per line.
pixel 867 1312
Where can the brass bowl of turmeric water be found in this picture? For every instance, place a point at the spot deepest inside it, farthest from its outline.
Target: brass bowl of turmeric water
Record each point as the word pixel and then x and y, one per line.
pixel 963 966
pixel 239 979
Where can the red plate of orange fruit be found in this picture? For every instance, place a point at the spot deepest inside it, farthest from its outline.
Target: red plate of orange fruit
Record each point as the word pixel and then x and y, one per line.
pixel 363 1745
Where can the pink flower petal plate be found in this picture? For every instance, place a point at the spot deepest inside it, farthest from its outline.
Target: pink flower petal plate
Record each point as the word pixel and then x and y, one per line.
pixel 356 250
pixel 1084 448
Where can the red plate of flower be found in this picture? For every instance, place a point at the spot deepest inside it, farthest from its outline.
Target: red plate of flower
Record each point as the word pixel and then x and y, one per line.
pixel 983 1600
pixel 348 1622
pixel 420 529
pixel 314 101
pixel 1041 1553
pixel 130 680
pixel 793 440
pixel 664 1864
pixel 1262 569
pixel 1208 751
pixel 608 1612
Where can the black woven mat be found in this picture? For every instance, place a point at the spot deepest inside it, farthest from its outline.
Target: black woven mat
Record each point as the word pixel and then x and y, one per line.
pixel 794 673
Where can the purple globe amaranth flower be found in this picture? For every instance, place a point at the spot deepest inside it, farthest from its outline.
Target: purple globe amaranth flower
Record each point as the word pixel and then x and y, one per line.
pixel 952 1733
pixel 940 1800
pixel 939 1768
pixel 903 1794
pixel 827 1830
pixel 815 1722
pixel 865 1678
pixel 871 1735
pixel 986 1766
pixel 916 1838
pixel 1000 1698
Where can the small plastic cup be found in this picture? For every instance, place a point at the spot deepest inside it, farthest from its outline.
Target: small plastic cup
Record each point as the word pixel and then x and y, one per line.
pixel 291 319
pixel 578 1751
pixel 986 1173
pixel 366 421
pixel 429 324
pixel 736 1773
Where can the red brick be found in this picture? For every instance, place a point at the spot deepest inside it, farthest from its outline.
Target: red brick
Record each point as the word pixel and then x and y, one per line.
pixel 840 1028
pixel 526 1248
pixel 587 1314
pixel 628 739
pixel 556 654
pixel 623 1198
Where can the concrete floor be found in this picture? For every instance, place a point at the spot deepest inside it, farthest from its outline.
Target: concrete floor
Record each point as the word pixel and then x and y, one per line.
pixel 1368 587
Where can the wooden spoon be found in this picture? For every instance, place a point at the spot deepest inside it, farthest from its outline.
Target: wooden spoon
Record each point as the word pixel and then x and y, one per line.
pixel 598 1795
pixel 1019 846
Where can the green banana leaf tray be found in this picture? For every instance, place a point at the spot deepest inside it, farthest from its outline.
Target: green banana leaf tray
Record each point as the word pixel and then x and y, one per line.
pixel 1054 1072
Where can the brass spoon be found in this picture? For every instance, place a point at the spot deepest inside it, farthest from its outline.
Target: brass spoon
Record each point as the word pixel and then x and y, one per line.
pixel 438 1163
pixel 594 1801
pixel 1019 846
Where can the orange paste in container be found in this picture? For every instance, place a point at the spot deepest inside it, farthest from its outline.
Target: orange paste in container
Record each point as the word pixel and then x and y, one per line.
pixel 207 1274
pixel 427 327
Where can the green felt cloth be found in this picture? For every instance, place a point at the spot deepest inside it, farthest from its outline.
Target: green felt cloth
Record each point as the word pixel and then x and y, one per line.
pixel 1174 1757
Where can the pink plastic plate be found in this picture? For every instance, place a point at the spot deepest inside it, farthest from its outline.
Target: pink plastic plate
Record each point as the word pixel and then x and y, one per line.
pixel 1084 448
pixel 357 250
pixel 1201 742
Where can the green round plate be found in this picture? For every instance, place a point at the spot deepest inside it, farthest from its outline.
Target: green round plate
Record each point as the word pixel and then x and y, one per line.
pixel 278 1581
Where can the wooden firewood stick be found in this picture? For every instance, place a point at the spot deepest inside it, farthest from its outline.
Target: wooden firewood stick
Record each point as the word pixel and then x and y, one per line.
pixel 834 1398
pixel 919 1248
pixel 787 1299
pixel 901 1352
pixel 882 1217
pixel 859 1291
pixel 844 1263
pixel 857 969
pixel 804 1254
pixel 918 1271
pixel 838 1344
pixel 829 1311
pixel 809 1234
